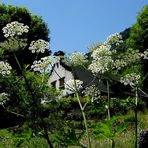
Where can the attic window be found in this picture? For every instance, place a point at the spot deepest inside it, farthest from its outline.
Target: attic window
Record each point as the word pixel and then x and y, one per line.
pixel 61 83
pixel 53 84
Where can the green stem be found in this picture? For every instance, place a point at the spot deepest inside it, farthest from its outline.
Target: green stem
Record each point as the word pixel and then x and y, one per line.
pixel 136 122
pixel 18 63
pixel 84 118
pixel 113 143
pixel 108 96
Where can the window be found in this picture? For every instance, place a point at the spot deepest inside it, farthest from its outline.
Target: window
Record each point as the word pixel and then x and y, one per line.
pixel 53 84
pixel 57 65
pixel 61 83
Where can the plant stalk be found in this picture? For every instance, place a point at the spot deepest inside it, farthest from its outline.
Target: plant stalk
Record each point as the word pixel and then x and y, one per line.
pixel 29 89
pixel 84 118
pixel 108 96
pixel 136 122
pixel 113 144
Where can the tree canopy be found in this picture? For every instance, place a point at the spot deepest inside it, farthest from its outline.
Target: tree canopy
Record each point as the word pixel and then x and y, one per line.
pixel 138 38
pixel 139 32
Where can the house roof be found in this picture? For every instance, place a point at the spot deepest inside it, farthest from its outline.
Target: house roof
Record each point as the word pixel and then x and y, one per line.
pixel 68 68
pixel 83 75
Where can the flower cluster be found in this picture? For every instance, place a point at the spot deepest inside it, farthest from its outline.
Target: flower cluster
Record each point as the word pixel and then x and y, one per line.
pixel 144 55
pixel 3 98
pixel 102 59
pixel 15 28
pixel 127 58
pixel 115 38
pixel 39 46
pixel 44 63
pixel 131 56
pixel 92 91
pixel 73 85
pixel 131 79
pixel 119 63
pixel 5 68
pixel 76 59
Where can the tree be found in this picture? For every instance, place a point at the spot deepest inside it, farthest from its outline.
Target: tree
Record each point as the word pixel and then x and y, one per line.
pixel 38 30
pixel 139 32
pixel 139 37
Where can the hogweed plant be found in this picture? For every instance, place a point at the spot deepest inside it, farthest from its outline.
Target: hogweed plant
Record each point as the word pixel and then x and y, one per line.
pixel 103 61
pixel 93 92
pixel 5 68
pixel 44 64
pixel 15 29
pixel 75 86
pixel 133 80
pixel 13 32
pixel 39 46
pixel 76 59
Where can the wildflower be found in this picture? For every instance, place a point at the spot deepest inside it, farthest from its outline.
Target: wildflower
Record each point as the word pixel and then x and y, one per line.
pixel 119 63
pixel 5 68
pixel 124 59
pixel 38 46
pixel 131 56
pixel 3 98
pixel 92 91
pixel 145 54
pixel 76 59
pixel 131 79
pixel 101 59
pixel 73 85
pixel 115 38
pixel 15 29
pixel 44 63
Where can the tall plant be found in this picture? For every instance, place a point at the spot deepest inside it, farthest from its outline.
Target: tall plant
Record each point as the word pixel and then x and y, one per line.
pixel 14 42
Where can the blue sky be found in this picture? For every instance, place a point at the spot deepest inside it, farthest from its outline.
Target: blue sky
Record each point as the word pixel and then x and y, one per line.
pixel 76 24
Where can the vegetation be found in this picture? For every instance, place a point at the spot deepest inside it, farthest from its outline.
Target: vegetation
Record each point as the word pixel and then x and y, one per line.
pixel 90 117
pixel 37 30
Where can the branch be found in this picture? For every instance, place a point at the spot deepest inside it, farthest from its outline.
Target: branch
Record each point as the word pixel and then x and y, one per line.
pixel 12 112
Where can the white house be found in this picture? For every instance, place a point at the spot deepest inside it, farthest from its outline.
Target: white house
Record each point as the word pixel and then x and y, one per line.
pixel 60 74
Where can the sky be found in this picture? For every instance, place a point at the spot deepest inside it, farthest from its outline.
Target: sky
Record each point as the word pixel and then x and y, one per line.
pixel 77 24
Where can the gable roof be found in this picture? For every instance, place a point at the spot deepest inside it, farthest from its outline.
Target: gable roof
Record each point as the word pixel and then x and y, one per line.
pixel 83 75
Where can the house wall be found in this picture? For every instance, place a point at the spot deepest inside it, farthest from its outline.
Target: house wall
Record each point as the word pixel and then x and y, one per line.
pixel 59 72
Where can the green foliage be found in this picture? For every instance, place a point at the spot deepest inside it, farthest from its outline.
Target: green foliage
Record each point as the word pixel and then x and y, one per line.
pixel 110 128
pixel 68 135
pixel 6 139
pixel 20 138
pixel 139 32
pixel 9 140
pixel 13 44
pixel 139 38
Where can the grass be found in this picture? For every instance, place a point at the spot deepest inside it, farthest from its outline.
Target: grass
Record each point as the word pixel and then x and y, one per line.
pixel 126 139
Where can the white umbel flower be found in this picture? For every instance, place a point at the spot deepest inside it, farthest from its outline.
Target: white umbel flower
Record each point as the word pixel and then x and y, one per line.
pixel 73 85
pixel 144 55
pixel 131 79
pixel 101 59
pixel 15 29
pixel 5 68
pixel 44 63
pixel 39 46
pixel 3 98
pixel 77 58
